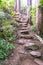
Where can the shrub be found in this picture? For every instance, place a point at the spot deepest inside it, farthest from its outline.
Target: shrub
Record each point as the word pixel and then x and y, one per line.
pixel 34 27
pixel 7 36
pixel 4 48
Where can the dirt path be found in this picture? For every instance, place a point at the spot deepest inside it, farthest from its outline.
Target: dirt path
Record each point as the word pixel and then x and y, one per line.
pixel 24 46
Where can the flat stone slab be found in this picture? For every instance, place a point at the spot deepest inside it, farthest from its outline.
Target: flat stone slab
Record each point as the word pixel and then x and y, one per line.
pixel 38 61
pixel 31 46
pixel 35 53
pixel 23 31
pixel 23 28
pixel 26 36
pixel 23 23
pixel 23 41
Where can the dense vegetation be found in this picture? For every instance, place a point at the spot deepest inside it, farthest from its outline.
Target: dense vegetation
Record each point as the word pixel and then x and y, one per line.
pixel 39 26
pixel 7 30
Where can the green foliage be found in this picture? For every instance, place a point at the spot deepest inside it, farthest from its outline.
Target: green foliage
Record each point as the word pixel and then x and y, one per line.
pixel 4 4
pixel 33 14
pixel 40 4
pixel 6 43
pixel 7 35
pixel 34 27
pixel 41 1
pixel 7 32
pixel 4 48
pixel 11 10
pixel 11 39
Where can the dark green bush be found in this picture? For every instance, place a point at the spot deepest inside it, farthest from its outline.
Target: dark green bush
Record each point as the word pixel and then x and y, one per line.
pixel 7 36
pixel 4 48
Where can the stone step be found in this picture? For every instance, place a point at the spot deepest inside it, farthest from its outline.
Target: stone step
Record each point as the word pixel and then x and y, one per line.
pixel 36 54
pixel 26 36
pixel 20 20
pixel 31 46
pixel 23 23
pixel 38 61
pixel 23 41
pixel 24 32
pixel 23 28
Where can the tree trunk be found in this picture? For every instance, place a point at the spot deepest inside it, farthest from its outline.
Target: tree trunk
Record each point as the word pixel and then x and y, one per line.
pixel 39 20
pixel 29 3
pixel 18 5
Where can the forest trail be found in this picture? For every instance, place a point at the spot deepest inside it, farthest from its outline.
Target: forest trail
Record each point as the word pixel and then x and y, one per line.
pixel 27 47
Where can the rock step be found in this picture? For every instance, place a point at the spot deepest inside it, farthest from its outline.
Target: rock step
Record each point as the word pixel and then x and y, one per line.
pixel 31 46
pixel 23 41
pixel 23 31
pixel 23 28
pixel 36 54
pixel 22 23
pixel 38 61
pixel 21 20
pixel 26 36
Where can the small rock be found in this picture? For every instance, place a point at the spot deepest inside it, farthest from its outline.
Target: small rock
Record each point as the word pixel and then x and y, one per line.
pixel 6 62
pixel 12 54
pixel 2 14
pixel 35 53
pixel 38 61
pixel 21 52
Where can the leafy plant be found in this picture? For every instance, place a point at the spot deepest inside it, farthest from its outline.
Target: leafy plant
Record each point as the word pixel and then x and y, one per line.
pixel 4 48
pixel 33 14
pixel 7 37
pixel 34 27
pixel 7 32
